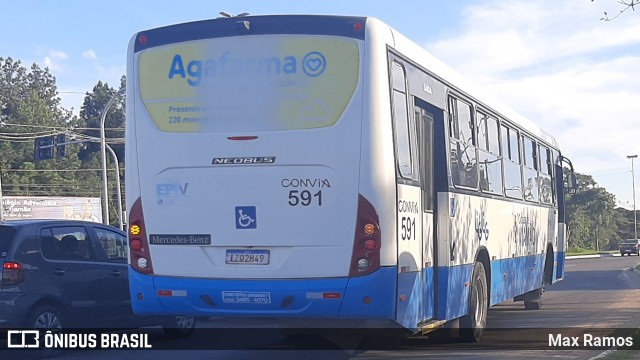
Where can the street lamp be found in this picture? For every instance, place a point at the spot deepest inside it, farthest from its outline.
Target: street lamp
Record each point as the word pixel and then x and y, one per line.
pixel 1 207
pixel 103 152
pixel 118 193
pixel 633 179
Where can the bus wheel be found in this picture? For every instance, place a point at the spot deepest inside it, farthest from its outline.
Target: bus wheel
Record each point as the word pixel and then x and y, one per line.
pixel 179 326
pixel 473 324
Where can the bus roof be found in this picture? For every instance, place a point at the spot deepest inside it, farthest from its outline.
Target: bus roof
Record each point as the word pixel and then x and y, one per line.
pixel 449 76
pixel 253 25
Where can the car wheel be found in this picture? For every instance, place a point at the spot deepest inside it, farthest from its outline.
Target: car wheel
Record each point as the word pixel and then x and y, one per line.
pixel 44 317
pixel 180 326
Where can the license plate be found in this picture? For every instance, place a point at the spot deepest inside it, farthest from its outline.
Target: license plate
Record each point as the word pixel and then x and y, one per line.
pixel 247 257
pixel 243 297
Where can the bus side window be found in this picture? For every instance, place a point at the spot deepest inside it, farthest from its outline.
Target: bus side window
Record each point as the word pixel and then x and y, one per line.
pixel 512 170
pixel 401 123
pixel 530 169
pixel 462 159
pixel 546 176
pixel 489 160
pixel 424 124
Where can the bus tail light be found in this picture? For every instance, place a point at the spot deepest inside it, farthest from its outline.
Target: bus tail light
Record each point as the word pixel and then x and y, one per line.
pixel 138 244
pixel 365 258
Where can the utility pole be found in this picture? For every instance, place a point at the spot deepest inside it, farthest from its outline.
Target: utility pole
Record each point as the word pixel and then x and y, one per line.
pixel 633 178
pixel 1 205
pixel 103 152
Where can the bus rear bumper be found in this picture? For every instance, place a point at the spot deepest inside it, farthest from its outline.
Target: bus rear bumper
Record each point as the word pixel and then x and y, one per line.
pixel 370 297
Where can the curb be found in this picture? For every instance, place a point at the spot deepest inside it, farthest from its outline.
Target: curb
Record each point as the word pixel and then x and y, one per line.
pixel 590 256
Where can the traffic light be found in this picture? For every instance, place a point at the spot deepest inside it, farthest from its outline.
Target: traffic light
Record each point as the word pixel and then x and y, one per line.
pixel 43 148
pixel 60 143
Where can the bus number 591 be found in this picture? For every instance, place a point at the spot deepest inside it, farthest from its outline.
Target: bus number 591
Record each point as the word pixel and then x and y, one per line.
pixel 304 198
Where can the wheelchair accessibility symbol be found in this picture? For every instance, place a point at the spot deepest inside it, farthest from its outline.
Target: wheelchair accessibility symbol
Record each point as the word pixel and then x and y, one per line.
pixel 246 217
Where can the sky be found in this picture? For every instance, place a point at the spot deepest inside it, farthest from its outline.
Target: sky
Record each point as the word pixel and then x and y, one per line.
pixel 555 62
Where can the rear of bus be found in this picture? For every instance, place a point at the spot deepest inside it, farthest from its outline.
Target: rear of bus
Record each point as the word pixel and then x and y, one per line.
pixel 243 171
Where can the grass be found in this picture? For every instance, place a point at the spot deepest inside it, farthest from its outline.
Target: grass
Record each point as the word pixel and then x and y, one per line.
pixel 574 252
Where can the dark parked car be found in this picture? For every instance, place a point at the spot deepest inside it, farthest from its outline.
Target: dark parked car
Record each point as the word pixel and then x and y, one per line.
pixel 629 247
pixel 65 273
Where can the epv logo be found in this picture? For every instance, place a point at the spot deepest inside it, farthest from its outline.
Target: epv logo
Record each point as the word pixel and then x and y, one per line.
pixel 246 217
pixel 172 189
pixel 167 193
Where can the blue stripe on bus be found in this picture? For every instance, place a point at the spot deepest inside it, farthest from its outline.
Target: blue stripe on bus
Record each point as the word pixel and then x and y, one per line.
pixel 523 274
pixel 415 301
pixel 509 278
pixel 279 298
pixel 259 25
pixel 558 271
pixel 429 302
pixel 380 287
pixel 515 276
pixel 409 299
pixel 453 295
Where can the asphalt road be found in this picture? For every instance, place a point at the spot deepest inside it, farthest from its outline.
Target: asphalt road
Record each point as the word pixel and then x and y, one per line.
pixel 599 296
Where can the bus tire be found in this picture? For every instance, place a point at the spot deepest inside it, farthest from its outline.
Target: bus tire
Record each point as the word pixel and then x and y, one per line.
pixel 472 325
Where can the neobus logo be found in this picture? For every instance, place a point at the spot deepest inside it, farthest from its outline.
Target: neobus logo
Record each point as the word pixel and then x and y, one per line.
pixel 312 64
pixel 244 160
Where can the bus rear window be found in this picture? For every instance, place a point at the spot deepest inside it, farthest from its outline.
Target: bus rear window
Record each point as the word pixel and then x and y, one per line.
pixel 251 83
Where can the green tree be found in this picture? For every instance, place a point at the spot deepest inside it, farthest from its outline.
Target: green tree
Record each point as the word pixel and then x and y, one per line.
pixel 30 108
pixel 625 223
pixel 94 105
pixel 91 115
pixel 591 215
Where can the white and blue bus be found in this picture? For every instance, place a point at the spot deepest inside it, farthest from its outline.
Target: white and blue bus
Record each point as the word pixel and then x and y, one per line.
pixel 326 170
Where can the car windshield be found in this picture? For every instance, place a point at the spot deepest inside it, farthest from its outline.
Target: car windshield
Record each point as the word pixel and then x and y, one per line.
pixel 6 236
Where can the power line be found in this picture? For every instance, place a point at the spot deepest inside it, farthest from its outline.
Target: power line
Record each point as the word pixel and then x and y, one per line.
pixel 51 170
pixel 58 127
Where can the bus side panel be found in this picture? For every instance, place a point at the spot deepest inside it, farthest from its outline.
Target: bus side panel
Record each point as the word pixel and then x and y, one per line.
pixel 144 298
pixel 133 102
pixel 409 300
pixel 371 296
pixel 453 293
pixel 561 248
pixel 559 254
pixel 377 181
pixel 413 307
pixel 516 276
pixel 429 288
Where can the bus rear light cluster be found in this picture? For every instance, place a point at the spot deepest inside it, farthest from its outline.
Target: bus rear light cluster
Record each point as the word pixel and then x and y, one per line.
pixel 138 245
pixel 365 258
